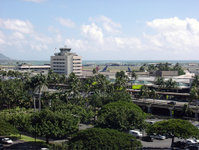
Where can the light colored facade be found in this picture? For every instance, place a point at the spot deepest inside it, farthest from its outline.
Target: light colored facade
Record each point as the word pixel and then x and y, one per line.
pixel 66 62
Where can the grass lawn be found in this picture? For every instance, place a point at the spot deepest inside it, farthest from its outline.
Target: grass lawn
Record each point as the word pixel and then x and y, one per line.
pixel 27 138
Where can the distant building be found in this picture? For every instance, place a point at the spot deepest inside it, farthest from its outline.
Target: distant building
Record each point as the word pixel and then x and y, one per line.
pixel 32 67
pixel 164 73
pixel 66 62
pixel 194 69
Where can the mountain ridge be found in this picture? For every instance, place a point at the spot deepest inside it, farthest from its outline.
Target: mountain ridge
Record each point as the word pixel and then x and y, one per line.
pixel 3 57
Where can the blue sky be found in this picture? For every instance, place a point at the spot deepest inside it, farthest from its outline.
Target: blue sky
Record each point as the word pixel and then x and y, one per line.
pixel 100 30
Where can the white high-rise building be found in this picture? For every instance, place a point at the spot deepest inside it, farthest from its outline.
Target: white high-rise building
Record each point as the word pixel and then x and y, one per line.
pixel 66 62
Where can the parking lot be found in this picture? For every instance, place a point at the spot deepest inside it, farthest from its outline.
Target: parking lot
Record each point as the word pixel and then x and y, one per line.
pixel 158 143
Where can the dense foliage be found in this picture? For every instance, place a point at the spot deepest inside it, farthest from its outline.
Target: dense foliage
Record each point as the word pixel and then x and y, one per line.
pixel 53 124
pixel 85 115
pixel 13 93
pixel 163 67
pixel 6 128
pixel 97 138
pixel 121 115
pixel 18 117
pixel 174 128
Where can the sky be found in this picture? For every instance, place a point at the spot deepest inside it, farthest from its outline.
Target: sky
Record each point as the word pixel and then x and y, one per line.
pixel 100 29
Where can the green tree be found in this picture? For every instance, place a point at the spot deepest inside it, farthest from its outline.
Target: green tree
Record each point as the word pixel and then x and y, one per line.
pixel 53 78
pixel 160 82
pixel 196 81
pixel 18 117
pixel 10 96
pixel 151 67
pixel 174 128
pixel 6 128
pixel 142 68
pixel 74 88
pixel 170 84
pixel 144 92
pixel 97 138
pixel 121 81
pixel 84 115
pixel 153 94
pixel 94 71
pixel 178 68
pixel 194 95
pixel 50 124
pixel 133 76
pixel 121 115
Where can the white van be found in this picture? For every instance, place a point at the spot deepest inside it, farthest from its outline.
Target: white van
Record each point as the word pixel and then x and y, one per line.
pixel 135 133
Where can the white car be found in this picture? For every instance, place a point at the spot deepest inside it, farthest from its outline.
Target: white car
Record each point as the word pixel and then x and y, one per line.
pixel 159 137
pixel 191 141
pixel 7 141
pixel 135 133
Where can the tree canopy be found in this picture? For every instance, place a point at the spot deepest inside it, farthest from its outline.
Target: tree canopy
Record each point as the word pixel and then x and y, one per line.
pixel 6 128
pixel 97 138
pixel 53 124
pixel 174 128
pixel 121 115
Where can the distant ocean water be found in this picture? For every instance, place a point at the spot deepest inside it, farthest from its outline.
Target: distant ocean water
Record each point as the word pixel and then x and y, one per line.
pixel 121 62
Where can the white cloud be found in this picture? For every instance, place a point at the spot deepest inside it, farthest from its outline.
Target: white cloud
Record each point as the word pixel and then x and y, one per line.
pixel 18 35
pixel 66 22
pixel 93 32
pixel 76 44
pixel 174 34
pixel 17 25
pixel 23 35
pixel 172 38
pixel 108 25
pixel 35 1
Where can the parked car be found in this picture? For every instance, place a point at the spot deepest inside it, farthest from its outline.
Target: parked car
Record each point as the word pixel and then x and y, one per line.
pixel 191 141
pixel 147 138
pixel 7 141
pixel 193 147
pixel 180 144
pixel 158 137
pixel 135 133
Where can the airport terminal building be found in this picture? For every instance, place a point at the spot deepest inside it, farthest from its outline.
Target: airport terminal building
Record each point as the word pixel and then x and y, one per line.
pixel 66 62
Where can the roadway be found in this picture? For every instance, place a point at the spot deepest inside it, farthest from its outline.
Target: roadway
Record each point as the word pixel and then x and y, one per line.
pixel 162 102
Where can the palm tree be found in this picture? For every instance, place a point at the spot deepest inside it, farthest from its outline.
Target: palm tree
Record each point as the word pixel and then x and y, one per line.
pixel 133 76
pixel 94 71
pixel 194 94
pixel 121 80
pixel 170 84
pixel 196 81
pixel 153 95
pixel 144 92
pixel 160 82
pixel 75 87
